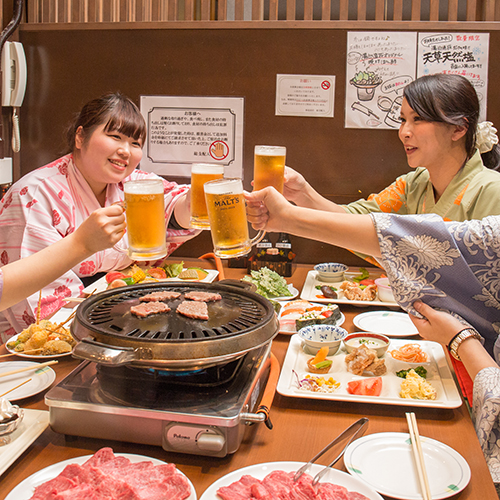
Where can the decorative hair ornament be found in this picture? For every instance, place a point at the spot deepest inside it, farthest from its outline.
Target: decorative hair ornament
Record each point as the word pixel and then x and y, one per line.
pixel 486 137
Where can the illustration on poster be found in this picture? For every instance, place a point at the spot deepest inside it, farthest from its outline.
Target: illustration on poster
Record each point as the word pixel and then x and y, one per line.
pixel 219 150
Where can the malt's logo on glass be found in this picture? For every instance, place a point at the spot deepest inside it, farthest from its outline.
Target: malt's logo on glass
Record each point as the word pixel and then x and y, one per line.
pixel 228 218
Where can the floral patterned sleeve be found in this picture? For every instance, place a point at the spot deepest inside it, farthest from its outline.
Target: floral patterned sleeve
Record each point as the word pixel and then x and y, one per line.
pixel 486 411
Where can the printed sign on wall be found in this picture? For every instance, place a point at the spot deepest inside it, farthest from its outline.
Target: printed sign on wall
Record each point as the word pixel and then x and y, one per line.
pixel 187 130
pixel 463 54
pixel 379 65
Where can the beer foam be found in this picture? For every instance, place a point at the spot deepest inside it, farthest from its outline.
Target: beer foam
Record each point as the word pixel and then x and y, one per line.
pixel 270 150
pixel 207 168
pixel 224 186
pixel 144 186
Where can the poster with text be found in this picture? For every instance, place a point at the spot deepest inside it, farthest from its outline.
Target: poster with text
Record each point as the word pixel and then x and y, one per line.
pixel 463 54
pixel 187 130
pixel 379 65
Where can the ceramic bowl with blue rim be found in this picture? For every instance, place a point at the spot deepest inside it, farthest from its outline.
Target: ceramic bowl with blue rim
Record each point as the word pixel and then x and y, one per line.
pixel 315 337
pixel 330 271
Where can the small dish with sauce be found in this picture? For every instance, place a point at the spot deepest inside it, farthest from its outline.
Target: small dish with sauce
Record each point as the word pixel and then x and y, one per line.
pixel 315 337
pixel 331 271
pixel 375 341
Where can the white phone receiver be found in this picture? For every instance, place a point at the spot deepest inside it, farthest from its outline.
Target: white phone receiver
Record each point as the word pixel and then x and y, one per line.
pixel 14 74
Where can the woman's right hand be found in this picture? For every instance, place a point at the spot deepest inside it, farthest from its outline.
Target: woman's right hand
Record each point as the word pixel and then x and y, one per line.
pixel 267 209
pixel 294 185
pixel 103 228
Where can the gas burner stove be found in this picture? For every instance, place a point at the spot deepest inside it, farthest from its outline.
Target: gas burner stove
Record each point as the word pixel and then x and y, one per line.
pixel 203 412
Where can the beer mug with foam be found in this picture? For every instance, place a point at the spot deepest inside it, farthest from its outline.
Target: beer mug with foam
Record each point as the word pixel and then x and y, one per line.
pixel 145 214
pixel 201 173
pixel 269 167
pixel 228 218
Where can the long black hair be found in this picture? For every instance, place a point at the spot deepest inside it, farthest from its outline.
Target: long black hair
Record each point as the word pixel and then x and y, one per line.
pixel 450 99
pixel 116 111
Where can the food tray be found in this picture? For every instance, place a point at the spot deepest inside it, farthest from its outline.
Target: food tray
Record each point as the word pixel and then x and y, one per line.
pixel 33 424
pixel 439 375
pixel 101 284
pixel 310 293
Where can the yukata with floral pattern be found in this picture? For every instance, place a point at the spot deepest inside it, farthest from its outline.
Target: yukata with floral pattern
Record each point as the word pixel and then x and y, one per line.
pixel 453 266
pixel 46 205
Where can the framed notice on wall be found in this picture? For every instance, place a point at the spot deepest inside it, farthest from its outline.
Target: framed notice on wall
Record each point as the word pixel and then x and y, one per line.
pixel 187 130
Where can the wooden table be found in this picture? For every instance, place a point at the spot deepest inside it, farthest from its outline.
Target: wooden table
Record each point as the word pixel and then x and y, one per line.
pixel 301 428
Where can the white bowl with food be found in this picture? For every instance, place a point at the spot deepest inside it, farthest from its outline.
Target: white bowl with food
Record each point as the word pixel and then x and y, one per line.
pixel 384 290
pixel 315 337
pixel 330 271
pixel 374 341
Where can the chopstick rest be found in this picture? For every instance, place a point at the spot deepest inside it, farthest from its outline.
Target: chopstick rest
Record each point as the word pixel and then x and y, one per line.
pixel 419 456
pixel 28 368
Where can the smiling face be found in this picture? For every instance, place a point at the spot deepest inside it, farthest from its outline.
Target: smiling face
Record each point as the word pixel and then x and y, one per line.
pixel 428 144
pixel 106 157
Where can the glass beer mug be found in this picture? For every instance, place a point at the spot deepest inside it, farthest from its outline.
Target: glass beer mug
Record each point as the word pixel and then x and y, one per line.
pixel 201 173
pixel 228 218
pixel 145 214
pixel 269 167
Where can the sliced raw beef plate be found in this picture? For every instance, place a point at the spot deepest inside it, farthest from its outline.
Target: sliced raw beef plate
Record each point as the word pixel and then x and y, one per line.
pixel 193 310
pixel 160 296
pixel 203 296
pixel 279 485
pixel 106 477
pixel 146 308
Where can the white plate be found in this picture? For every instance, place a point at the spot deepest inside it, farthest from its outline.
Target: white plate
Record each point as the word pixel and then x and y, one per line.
pixel 39 380
pixel 392 324
pixel 385 462
pixel 439 376
pixel 24 490
pixel 293 291
pixel 33 424
pixel 309 292
pixel 260 471
pixel 101 284
pixel 340 322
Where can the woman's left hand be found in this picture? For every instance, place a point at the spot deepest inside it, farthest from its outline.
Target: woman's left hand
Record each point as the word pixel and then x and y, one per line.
pixel 438 326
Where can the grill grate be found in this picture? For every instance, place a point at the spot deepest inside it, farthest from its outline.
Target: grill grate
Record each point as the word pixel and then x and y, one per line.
pixel 232 315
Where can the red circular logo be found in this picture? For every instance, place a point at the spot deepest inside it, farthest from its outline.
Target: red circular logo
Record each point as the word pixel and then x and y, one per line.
pixel 218 150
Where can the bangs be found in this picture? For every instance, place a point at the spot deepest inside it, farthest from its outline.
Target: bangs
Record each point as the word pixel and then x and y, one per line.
pixel 127 121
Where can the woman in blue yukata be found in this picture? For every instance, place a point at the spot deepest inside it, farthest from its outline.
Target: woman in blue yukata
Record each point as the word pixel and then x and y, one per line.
pixel 445 274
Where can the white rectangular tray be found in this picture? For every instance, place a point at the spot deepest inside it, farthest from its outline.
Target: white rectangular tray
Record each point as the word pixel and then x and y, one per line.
pixel 101 284
pixel 309 292
pixel 33 424
pixel 439 375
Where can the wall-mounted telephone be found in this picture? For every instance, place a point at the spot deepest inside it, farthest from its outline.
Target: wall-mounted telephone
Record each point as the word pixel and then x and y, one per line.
pixel 14 74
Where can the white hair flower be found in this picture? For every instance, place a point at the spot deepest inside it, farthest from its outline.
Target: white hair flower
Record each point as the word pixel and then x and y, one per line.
pixel 486 137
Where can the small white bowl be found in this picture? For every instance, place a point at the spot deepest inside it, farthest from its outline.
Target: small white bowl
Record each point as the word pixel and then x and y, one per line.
pixel 374 341
pixel 331 271
pixel 317 336
pixel 384 290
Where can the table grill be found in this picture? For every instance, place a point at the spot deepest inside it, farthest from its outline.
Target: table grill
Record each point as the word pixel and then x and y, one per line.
pixel 187 385
pixel 110 334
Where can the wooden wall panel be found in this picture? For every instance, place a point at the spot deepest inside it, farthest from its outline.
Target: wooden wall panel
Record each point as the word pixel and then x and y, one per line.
pixel 67 68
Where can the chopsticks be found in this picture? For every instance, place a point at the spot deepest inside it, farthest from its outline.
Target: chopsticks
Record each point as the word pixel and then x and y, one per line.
pixel 21 352
pixel 419 455
pixel 16 387
pixel 28 368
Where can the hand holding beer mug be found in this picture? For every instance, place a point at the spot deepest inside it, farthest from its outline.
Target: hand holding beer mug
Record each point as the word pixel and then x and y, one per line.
pixel 145 214
pixel 269 167
pixel 228 218
pixel 201 173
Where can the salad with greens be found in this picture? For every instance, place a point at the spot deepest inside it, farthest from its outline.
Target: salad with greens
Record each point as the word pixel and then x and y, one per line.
pixel 269 283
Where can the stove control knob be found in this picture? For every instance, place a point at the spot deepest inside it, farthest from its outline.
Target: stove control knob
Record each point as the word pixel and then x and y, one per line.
pixel 209 441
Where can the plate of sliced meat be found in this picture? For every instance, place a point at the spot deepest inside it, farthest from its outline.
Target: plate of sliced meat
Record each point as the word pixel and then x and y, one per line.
pixel 272 480
pixel 104 471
